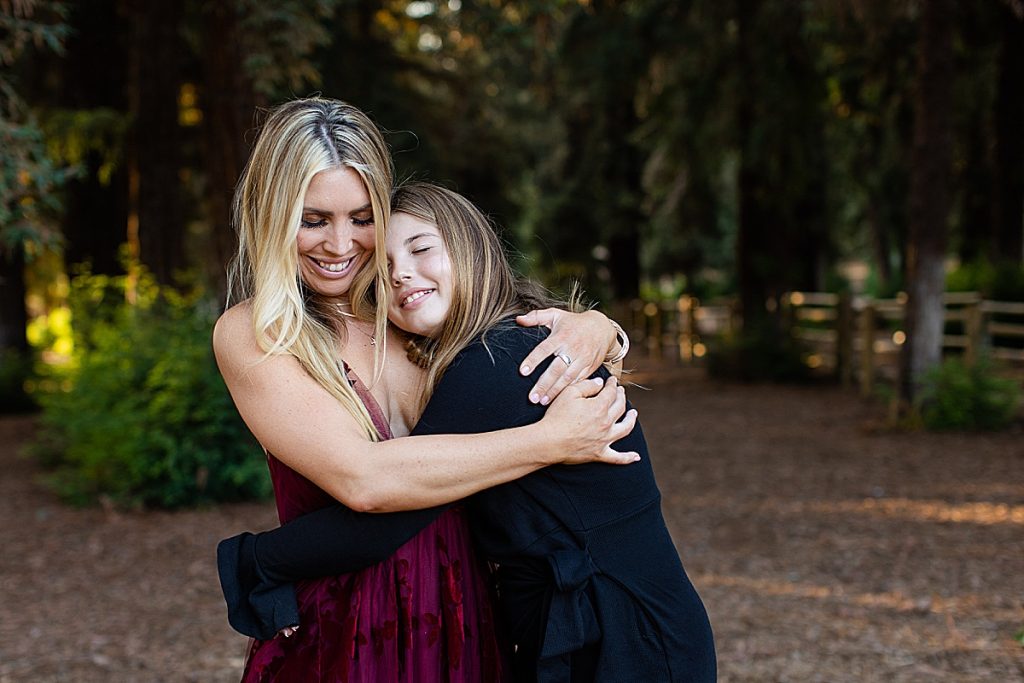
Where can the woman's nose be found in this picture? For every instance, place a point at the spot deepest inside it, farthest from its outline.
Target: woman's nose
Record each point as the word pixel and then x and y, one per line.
pixel 339 239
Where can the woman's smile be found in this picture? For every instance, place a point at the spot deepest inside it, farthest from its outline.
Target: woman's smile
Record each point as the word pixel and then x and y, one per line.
pixel 336 233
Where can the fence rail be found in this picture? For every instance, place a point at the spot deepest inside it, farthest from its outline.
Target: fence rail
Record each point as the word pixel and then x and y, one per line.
pixel 856 338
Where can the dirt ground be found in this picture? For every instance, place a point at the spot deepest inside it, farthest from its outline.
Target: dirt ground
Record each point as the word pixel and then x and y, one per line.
pixel 825 548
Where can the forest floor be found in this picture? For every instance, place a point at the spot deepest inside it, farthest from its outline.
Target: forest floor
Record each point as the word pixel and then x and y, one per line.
pixel 825 547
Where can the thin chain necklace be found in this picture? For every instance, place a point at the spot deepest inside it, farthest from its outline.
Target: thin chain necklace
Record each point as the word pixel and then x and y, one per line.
pixel 349 314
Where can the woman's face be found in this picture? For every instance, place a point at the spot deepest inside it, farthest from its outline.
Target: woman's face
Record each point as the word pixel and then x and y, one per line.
pixel 420 273
pixel 336 236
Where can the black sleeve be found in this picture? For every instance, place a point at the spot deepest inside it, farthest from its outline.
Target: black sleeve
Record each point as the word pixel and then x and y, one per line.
pixel 256 570
pixel 482 392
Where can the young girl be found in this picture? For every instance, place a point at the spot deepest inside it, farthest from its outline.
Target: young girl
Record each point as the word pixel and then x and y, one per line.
pixel 591 587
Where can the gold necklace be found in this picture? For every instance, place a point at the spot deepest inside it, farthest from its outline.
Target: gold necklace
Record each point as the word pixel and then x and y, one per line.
pixel 349 314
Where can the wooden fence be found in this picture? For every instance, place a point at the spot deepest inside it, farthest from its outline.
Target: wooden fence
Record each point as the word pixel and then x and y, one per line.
pixel 854 338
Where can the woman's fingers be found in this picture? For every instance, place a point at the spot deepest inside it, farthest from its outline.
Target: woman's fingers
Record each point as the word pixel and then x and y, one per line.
pixel 563 371
pixel 545 348
pixel 591 387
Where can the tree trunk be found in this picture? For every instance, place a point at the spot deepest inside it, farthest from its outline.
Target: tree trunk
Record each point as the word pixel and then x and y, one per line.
pixel 95 216
pixel 13 316
pixel 753 286
pixel 929 198
pixel 1008 205
pixel 781 242
pixel 156 137
pixel 229 106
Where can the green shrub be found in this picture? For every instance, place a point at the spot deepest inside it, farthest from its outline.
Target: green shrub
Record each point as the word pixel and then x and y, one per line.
pixel 142 416
pixel 955 396
pixel 758 356
pixel 1000 282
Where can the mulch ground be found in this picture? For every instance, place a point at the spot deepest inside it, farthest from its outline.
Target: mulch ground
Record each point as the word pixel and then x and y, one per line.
pixel 825 548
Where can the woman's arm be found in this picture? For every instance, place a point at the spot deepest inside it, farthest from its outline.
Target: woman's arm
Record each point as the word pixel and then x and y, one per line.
pixel 306 428
pixel 482 391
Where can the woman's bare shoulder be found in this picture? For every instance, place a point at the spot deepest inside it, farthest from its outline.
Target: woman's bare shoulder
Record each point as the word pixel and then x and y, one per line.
pixel 233 336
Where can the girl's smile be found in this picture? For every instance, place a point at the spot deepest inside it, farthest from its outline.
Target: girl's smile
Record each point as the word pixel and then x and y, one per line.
pixel 421 275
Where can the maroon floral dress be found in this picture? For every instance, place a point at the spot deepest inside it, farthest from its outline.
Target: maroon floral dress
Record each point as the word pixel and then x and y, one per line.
pixel 424 614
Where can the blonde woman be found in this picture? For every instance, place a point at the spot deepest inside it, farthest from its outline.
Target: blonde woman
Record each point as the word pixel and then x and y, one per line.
pixel 591 586
pixel 311 209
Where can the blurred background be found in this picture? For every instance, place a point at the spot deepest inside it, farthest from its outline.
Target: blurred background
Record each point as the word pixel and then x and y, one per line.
pixel 828 193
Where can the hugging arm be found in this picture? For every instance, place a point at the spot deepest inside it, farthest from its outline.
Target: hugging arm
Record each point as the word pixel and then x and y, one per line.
pixel 257 571
pixel 479 393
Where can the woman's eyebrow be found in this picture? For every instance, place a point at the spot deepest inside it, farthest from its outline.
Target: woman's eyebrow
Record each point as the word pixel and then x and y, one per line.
pixel 327 213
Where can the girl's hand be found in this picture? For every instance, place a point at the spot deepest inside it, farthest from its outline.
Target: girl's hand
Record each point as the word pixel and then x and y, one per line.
pixel 585 419
pixel 579 342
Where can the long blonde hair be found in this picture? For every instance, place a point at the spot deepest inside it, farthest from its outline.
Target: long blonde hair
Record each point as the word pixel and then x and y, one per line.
pixel 485 289
pixel 298 140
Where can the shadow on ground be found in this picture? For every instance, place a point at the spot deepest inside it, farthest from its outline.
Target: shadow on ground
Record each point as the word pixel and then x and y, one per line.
pixel 824 548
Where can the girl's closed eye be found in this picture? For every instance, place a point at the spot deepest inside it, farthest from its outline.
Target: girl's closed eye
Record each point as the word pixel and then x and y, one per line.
pixel 420 250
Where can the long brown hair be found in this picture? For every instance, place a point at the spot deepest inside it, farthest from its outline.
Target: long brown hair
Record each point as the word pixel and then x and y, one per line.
pixel 485 289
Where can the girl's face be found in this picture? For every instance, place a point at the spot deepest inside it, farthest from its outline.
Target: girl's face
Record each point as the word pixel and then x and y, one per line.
pixel 336 236
pixel 420 273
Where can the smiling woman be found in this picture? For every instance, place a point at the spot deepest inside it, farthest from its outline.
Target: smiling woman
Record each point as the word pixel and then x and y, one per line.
pixel 337 235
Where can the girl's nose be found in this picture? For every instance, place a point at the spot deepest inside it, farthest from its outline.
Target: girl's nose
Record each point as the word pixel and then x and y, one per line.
pixel 399 274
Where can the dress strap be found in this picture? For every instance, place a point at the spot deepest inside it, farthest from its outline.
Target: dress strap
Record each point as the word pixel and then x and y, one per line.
pixel 372 407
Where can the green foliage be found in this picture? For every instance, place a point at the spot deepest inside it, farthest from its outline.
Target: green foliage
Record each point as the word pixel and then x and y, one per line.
pixel 956 396
pixel 142 416
pixel 29 179
pixel 757 356
pixel 278 38
pixel 1001 282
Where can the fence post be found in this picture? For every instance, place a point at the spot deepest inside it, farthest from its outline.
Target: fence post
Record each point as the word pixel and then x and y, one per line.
pixel 687 306
pixel 652 314
pixel 867 356
pixel 844 339
pixel 972 329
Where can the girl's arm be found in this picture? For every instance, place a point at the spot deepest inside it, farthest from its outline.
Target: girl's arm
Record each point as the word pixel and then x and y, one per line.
pixel 257 571
pixel 482 390
pixel 307 429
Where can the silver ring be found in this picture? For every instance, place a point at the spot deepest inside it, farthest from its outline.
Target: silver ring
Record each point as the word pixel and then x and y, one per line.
pixel 565 358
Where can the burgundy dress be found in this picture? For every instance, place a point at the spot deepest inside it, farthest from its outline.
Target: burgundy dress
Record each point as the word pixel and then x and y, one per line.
pixel 423 614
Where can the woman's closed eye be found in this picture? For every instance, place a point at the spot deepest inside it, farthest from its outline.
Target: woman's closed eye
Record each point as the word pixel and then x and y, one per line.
pixel 314 224
pixel 362 221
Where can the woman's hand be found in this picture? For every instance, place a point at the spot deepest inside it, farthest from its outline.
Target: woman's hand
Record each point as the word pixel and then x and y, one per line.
pixel 585 418
pixel 579 342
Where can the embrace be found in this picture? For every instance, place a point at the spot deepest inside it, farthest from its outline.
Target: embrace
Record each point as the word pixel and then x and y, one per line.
pixel 459 502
